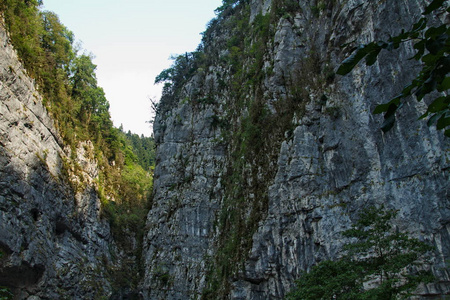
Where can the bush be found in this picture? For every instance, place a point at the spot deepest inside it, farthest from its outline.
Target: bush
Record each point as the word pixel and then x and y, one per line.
pixel 393 262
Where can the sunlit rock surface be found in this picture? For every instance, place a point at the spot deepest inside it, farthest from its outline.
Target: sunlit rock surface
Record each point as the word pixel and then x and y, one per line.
pixel 332 163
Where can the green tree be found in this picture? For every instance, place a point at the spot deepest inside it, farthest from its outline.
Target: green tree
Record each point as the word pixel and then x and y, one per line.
pixel 83 75
pixel 93 106
pixel 182 69
pixel 226 5
pixel 390 260
pixel 57 41
pixel 25 26
pixel 432 45
pixel 143 148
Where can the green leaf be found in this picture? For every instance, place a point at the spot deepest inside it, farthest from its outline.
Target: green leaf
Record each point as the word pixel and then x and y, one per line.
pixel 407 89
pixel 388 124
pixel 389 107
pixel 381 108
pixel 389 118
pixel 396 40
pixel 349 63
pixel 420 47
pixel 438 104
pixel 420 25
pixel 424 116
pixel 433 32
pixel 429 59
pixel 429 85
pixel 372 56
pixel 436 44
pixel 433 119
pixel 444 85
pixel 433 6
pixel 443 122
pixel 447 133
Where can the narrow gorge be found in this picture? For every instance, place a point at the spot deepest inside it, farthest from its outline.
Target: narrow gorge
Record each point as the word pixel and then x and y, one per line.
pixel 264 157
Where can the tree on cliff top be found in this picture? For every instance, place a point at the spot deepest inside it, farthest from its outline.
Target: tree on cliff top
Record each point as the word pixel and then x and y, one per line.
pixel 432 45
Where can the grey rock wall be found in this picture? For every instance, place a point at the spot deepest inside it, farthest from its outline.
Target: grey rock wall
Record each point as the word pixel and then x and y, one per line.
pixel 333 163
pixel 54 244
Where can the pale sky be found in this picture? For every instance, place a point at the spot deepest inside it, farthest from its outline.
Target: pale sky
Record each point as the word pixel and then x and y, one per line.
pixel 132 41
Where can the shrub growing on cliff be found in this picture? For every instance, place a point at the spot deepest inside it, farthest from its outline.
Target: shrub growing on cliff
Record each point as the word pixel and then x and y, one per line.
pixel 380 263
pixel 432 45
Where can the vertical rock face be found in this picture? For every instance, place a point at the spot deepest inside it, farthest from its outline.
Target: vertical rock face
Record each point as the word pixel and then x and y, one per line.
pixel 297 190
pixel 181 222
pixel 52 240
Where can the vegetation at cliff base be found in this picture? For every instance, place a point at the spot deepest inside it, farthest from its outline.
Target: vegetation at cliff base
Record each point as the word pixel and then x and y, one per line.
pixel 380 263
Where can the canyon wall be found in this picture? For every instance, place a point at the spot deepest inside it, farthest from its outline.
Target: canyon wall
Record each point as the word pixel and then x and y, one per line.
pixel 264 158
pixel 264 155
pixel 53 242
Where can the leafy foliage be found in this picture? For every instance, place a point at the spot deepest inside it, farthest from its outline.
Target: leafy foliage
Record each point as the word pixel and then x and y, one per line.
pixel 134 185
pixel 329 280
pixel 227 5
pixel 388 259
pixel 143 148
pixel 432 45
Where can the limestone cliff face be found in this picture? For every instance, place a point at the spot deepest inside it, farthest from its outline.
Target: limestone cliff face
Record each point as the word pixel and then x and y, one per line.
pixel 261 166
pixel 54 244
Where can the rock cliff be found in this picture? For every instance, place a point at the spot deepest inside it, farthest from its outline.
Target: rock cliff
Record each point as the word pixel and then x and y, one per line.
pixel 264 156
pixel 54 244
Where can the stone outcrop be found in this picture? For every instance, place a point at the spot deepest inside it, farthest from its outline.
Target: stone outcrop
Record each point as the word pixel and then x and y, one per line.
pixel 54 244
pixel 329 163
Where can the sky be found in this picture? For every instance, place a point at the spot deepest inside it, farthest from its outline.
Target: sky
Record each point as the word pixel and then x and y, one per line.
pixel 132 42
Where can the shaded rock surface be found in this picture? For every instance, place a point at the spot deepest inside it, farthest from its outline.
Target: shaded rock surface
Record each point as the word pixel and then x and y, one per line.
pixel 54 244
pixel 332 162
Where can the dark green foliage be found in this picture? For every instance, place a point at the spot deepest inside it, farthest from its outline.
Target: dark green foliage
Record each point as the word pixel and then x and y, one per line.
pixel 5 293
pixel 144 149
pixel 390 259
pixel 227 7
pixel 134 185
pixel 432 45
pixel 25 26
pixel 329 280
